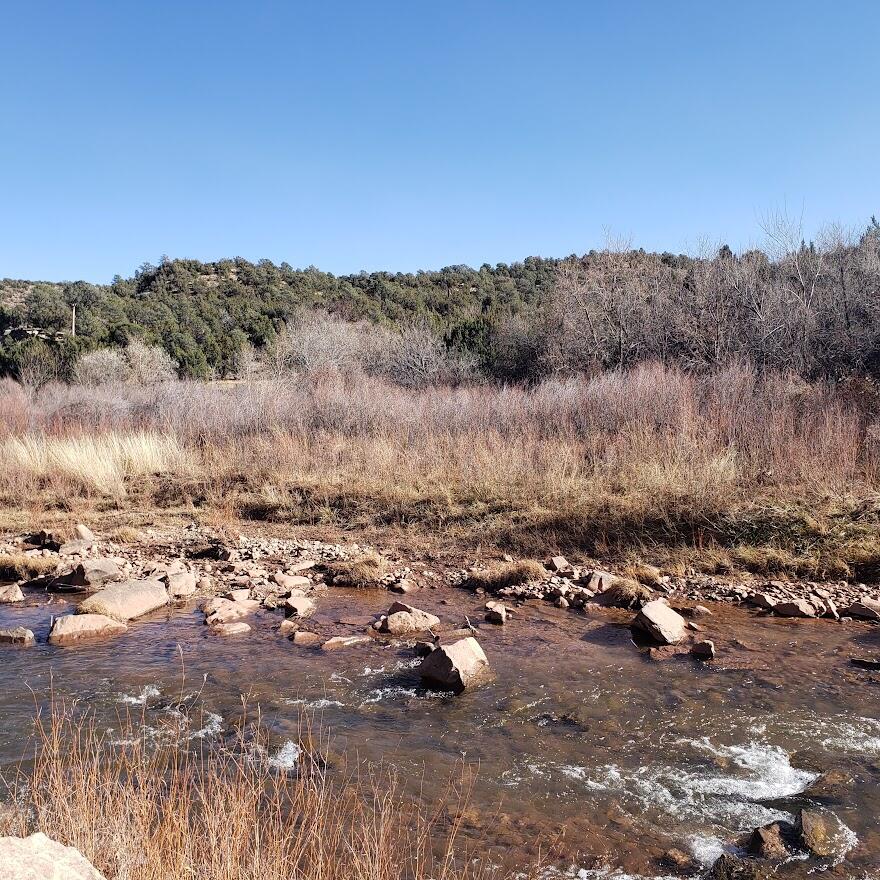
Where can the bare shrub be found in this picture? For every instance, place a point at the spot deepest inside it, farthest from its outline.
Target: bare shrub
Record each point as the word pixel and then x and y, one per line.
pixel 103 366
pixel 148 364
pixel 37 365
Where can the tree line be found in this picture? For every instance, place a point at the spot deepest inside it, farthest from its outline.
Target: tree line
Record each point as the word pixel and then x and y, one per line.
pixel 811 308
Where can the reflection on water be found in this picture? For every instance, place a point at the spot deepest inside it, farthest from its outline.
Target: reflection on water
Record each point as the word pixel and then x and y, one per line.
pixel 580 739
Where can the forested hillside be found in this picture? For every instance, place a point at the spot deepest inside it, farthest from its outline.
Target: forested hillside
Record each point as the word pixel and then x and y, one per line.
pixel 811 308
pixel 202 313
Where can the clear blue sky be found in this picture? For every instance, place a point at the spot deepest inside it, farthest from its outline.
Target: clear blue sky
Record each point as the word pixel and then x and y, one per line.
pixel 368 135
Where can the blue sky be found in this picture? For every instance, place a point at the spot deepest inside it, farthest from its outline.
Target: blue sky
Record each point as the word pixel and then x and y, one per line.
pixel 386 135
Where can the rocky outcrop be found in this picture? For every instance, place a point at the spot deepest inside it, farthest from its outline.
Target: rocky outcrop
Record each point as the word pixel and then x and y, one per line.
pixel 660 622
pixel 455 667
pixel 17 636
pixel 73 628
pixel 39 858
pixel 126 601
pixel 403 619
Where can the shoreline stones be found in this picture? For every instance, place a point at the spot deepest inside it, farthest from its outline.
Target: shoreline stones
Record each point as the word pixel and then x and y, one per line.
pixel 455 667
pixel 72 628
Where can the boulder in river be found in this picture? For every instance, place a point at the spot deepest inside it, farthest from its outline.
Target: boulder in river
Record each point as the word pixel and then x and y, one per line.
pixel 291 581
pixel 305 639
pixel 17 636
pixel 72 628
pixel 865 609
pixel 455 667
pixel 496 612
pixel 403 619
pixel 660 622
pixel 831 787
pixel 816 834
pixel 127 600
pixel 766 842
pixel 11 593
pixel 704 649
pixel 40 858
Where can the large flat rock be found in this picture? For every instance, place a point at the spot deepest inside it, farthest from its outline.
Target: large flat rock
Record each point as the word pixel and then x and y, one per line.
pixel 39 858
pixel 83 627
pixel 127 600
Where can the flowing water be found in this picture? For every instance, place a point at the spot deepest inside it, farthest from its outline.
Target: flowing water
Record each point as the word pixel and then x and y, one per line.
pixel 583 746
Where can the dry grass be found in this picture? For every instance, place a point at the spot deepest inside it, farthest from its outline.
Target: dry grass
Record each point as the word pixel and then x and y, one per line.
pixel 508 574
pixel 653 464
pixel 91 463
pixel 625 593
pixel 19 565
pixel 646 574
pixel 160 811
pixel 363 571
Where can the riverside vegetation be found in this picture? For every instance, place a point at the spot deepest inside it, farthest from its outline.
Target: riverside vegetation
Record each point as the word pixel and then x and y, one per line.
pixel 706 429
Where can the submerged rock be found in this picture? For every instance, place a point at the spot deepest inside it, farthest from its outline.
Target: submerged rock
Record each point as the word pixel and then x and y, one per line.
pixel 338 642
pixel 79 627
pixel 126 601
pixel 660 622
pixel 40 858
pixel 455 667
pixel 219 611
pixel 305 639
pixel 238 628
pixel 729 867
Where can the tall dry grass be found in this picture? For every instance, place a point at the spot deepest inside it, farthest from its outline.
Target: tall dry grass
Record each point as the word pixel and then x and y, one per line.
pixel 152 808
pixel 654 456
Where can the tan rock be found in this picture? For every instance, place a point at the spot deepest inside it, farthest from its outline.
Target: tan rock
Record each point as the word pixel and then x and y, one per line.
pixel 81 627
pixel 127 600
pixel 238 628
pixel 794 608
pixel 455 667
pixel 220 611
pixel 299 606
pixel 239 595
pixel 39 858
pixel 865 609
pixel 704 649
pixel 84 533
pixel 181 584
pixel 18 636
pixel 338 642
pixel 305 639
pixel 91 574
pixel 403 619
pixel 660 622
pixel 291 581
pixel 10 594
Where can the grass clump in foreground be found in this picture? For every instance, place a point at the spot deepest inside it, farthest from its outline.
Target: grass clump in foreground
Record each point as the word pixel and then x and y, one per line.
pixel 165 812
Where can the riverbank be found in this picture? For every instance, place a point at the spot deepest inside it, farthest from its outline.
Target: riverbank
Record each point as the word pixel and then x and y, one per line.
pixel 570 738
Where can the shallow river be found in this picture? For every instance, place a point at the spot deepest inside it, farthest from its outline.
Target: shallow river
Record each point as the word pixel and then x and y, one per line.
pixel 581 741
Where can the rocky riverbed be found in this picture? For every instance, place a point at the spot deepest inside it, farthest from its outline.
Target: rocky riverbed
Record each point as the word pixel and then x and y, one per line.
pixel 545 675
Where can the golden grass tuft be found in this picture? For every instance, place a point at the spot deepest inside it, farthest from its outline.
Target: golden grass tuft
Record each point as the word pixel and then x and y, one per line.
pixel 507 574
pixel 157 810
pixel 646 574
pixel 19 565
pixel 94 463
pixel 365 570
pixel 625 593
